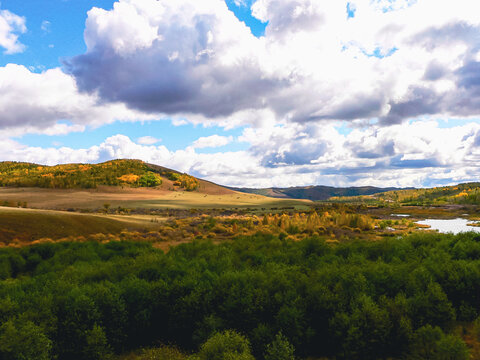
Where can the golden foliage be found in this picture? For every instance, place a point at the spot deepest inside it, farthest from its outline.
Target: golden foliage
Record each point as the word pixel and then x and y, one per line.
pixel 113 173
pixel 129 178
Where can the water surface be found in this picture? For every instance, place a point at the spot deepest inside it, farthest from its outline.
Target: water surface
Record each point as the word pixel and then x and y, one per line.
pixel 450 225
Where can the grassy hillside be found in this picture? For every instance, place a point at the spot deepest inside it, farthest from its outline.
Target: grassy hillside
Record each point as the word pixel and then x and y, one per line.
pixel 22 226
pixel 314 192
pixel 132 173
pixel 462 194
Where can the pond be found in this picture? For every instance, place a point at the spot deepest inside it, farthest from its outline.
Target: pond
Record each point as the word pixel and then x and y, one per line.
pixel 449 225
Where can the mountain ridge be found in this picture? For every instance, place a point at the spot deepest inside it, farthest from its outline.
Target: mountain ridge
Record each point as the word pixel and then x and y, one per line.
pixel 315 192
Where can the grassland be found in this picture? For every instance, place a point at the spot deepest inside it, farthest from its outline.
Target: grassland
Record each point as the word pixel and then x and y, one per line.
pixel 151 198
pixel 20 226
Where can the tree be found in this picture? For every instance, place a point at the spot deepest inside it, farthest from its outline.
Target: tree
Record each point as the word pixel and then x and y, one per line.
pixel 280 349
pixel 150 180
pixel 228 345
pixel 97 345
pixel 23 341
pixel 431 343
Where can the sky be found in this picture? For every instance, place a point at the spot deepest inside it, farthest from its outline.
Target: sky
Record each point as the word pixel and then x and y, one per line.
pixel 250 93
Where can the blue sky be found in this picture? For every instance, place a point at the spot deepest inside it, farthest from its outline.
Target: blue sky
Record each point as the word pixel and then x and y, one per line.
pixel 175 137
pixel 64 30
pixel 247 92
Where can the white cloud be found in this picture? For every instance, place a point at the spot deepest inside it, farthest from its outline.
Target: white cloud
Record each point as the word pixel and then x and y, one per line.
pixel 11 25
pixel 148 140
pixel 31 102
pixel 184 57
pixel 212 141
pixel 314 63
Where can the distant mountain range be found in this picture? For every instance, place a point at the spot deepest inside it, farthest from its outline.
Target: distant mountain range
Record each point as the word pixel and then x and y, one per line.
pixel 315 192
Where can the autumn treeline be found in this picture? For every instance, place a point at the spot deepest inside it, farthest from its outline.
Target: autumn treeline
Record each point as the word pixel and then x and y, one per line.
pixel 114 173
pixel 468 194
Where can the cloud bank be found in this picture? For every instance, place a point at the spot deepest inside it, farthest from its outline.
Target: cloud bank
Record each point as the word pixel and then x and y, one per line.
pixel 420 152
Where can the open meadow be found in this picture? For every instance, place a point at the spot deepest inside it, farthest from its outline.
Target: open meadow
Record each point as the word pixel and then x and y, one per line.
pixel 151 198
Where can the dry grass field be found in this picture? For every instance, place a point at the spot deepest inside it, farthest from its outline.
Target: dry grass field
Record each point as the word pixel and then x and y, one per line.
pixel 26 225
pixel 207 197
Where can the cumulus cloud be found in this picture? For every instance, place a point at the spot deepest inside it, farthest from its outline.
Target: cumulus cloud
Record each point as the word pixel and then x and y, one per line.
pixel 182 57
pixel 31 102
pixel 392 60
pixel 401 155
pixel 212 141
pixel 11 26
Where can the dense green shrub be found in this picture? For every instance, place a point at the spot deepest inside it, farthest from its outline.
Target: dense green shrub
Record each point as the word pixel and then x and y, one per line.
pixel 280 349
pixel 228 345
pixel 150 179
pixel 397 298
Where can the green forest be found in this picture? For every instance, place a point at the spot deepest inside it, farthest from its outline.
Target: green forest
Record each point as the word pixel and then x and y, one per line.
pixel 261 296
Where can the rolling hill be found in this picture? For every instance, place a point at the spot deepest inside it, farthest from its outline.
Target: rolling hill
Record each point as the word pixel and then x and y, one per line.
pixel 131 173
pixel 124 183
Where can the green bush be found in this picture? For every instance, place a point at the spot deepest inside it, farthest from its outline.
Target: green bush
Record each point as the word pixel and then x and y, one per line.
pixel 280 349
pixel 149 180
pixel 431 343
pixel 23 340
pixel 228 345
